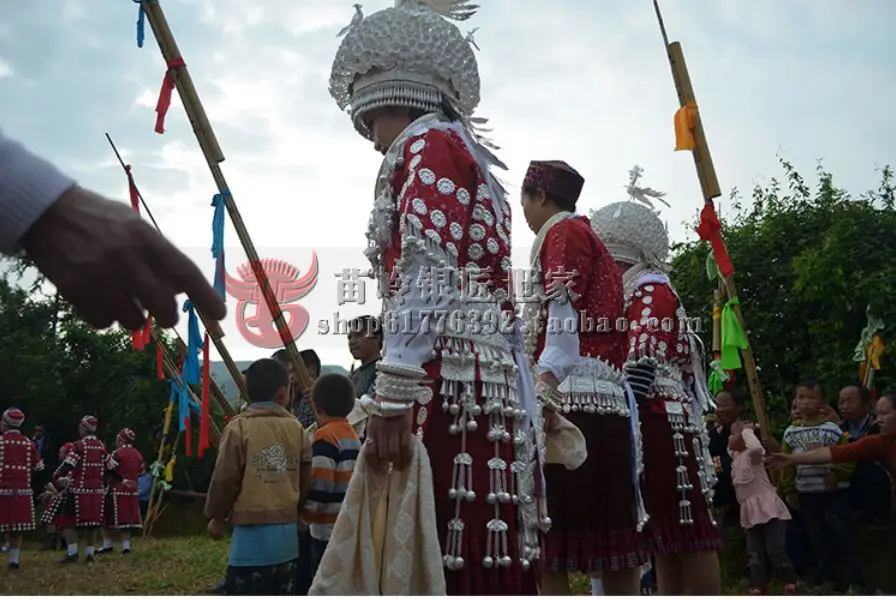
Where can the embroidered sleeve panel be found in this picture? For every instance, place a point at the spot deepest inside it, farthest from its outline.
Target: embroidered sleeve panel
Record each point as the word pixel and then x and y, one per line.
pixel 434 199
pixel 566 259
pixel 112 461
pixel 653 330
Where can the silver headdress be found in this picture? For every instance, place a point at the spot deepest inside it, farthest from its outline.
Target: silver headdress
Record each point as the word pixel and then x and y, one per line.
pixel 408 55
pixel 632 230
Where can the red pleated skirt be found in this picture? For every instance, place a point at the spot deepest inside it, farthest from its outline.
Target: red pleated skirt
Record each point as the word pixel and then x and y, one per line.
pixel 17 512
pixel 665 534
pixel 122 510
pixel 473 579
pixel 593 509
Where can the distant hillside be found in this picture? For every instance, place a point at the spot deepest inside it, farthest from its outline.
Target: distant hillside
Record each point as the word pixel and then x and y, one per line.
pixel 222 376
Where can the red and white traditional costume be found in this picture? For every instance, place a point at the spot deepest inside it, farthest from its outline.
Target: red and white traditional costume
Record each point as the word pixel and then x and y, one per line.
pixel 83 472
pixel 439 242
pixel 124 465
pixel 19 459
pixel 58 490
pixel 666 373
pixel 571 320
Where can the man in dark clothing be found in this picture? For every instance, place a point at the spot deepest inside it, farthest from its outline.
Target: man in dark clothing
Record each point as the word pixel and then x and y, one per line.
pixel 869 489
pixel 48 454
pixel 728 409
pixel 365 342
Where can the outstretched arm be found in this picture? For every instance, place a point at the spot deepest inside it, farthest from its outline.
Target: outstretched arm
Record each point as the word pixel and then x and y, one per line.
pixel 29 185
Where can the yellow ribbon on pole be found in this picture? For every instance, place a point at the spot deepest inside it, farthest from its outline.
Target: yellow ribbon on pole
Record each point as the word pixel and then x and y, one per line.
pixel 685 119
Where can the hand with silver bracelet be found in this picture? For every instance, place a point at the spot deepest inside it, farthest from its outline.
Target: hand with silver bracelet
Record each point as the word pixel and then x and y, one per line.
pixel 549 398
pixel 390 427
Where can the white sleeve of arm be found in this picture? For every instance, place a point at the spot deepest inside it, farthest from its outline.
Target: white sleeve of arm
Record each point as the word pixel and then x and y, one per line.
pixel 410 332
pixel 561 344
pixel 29 185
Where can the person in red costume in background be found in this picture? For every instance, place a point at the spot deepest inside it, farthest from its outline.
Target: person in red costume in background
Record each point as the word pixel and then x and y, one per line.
pixel 19 459
pixel 596 510
pixel 54 500
pixel 83 473
pixel 666 373
pixel 122 509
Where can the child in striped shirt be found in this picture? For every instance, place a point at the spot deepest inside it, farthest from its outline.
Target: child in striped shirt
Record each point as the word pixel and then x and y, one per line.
pixel 334 449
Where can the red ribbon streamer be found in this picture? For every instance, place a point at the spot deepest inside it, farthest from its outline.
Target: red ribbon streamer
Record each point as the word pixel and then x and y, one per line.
pixel 710 230
pixel 141 337
pixel 205 418
pixel 188 436
pixel 164 102
pixel 132 189
pixel 160 361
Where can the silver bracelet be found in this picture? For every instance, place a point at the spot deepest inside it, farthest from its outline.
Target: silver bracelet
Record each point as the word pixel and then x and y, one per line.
pixel 397 388
pixel 405 371
pixel 384 408
pixel 548 396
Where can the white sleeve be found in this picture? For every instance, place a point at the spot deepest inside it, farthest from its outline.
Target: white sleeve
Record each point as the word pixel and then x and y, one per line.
pixel 29 185
pixel 410 332
pixel 561 344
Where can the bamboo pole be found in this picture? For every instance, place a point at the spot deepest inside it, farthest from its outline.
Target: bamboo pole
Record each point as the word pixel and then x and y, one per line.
pixel 215 333
pixel 166 429
pixel 213 155
pixel 709 184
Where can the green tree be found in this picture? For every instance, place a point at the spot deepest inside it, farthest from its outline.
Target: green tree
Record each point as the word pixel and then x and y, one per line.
pixel 57 369
pixel 808 262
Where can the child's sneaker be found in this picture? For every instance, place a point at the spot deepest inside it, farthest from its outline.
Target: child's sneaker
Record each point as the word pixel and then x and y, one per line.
pixel 790 589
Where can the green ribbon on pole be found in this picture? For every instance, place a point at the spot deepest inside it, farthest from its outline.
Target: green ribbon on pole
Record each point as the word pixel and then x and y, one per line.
pixel 715 383
pixel 712 269
pixel 873 326
pixel 733 337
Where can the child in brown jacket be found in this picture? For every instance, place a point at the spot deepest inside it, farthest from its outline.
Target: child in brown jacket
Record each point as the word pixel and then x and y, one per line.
pixel 256 485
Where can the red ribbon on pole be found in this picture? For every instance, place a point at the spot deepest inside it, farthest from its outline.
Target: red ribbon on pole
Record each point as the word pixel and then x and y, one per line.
pixel 205 417
pixel 164 102
pixel 141 337
pixel 160 361
pixel 132 189
pixel 710 230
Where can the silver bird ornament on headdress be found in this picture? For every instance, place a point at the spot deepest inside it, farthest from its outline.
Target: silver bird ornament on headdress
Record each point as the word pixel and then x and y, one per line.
pixel 642 194
pixel 470 39
pixel 356 19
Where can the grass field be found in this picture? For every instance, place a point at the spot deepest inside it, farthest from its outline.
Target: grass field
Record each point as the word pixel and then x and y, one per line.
pixel 192 565
pixel 167 566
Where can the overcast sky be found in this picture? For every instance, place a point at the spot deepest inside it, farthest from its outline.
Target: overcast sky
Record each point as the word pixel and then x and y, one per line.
pixel 583 81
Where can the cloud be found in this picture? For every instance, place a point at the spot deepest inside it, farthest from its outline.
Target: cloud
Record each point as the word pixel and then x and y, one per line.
pixel 580 81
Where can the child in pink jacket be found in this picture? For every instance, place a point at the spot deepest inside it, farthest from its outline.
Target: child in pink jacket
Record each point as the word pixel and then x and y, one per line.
pixel 762 512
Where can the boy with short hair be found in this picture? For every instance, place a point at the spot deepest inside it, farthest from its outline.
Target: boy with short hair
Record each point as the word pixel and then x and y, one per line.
pixel 334 450
pixel 821 492
pixel 256 486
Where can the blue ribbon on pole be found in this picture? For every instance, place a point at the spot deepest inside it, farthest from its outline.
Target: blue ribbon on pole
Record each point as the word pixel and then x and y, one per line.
pixel 141 23
pixel 192 374
pixel 185 405
pixel 219 202
pixel 180 395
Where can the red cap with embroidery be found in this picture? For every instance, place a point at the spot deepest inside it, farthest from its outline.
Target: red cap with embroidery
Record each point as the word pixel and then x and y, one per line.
pixel 556 178
pixel 13 417
pixel 90 423
pixel 126 436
